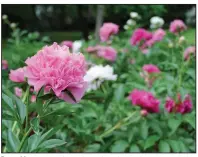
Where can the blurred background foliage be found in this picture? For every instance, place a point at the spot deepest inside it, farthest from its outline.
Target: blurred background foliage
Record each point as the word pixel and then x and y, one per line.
pixel 52 20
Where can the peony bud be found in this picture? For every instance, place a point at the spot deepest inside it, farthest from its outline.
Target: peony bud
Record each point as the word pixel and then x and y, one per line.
pixel 13 25
pixel 5 17
pixel 144 113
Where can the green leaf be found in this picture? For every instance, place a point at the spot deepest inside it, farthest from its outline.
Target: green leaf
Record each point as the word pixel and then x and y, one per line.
pixel 190 118
pixel 174 145
pixel 8 117
pixel 150 141
pixel 144 129
pixel 183 147
pixel 173 124
pixel 164 146
pixel 8 101
pixel 50 133
pixel 119 146
pixel 12 141
pixel 20 107
pixel 119 93
pixel 33 142
pixel 134 148
pixel 35 125
pixel 51 143
pixel 92 148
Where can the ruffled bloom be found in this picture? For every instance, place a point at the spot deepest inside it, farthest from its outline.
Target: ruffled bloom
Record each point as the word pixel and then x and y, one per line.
pixel 145 100
pixel 56 69
pixel 107 30
pixel 147 74
pixel 156 22
pixel 107 53
pixel 4 64
pixel 18 91
pixel 97 74
pixel 179 106
pixel 150 68
pixel 17 75
pixel 67 43
pixel 158 35
pixel 188 51
pixel 177 26
pixel 140 35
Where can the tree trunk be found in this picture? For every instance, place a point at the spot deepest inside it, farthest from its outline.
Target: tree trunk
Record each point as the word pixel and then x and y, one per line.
pixel 99 20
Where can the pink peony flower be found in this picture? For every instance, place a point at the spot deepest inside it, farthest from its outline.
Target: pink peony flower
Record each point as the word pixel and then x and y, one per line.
pixel 18 91
pixel 67 43
pixel 33 98
pixel 4 64
pixel 170 104
pixel 150 68
pixel 179 106
pixel 17 75
pixel 107 30
pixel 140 35
pixel 177 26
pixel 144 99
pixel 56 69
pixel 107 53
pixel 188 51
pixel 158 35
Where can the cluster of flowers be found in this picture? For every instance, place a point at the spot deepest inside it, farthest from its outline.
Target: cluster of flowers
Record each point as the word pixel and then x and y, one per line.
pixel 134 16
pixel 64 74
pixel 149 103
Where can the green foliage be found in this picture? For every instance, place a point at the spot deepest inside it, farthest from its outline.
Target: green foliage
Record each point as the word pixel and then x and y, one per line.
pixel 104 120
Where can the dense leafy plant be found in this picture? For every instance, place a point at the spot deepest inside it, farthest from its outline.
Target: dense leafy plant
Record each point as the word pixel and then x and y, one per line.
pixel 104 120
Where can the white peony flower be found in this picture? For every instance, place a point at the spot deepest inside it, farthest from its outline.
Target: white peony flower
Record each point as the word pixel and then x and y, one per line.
pixel 76 46
pixel 134 15
pixel 97 74
pixel 131 22
pixel 13 25
pixel 156 22
pixel 181 39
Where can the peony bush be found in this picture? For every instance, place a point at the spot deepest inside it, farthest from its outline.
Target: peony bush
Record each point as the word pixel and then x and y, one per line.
pixel 133 91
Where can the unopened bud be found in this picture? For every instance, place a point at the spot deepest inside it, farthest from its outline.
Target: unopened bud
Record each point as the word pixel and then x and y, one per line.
pixel 144 113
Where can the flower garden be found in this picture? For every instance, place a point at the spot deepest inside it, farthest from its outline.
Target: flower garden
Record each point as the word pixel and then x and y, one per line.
pixel 133 91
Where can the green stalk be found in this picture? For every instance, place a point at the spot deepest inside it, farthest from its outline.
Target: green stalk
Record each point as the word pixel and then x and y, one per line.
pixel 118 125
pixel 26 98
pixel 23 139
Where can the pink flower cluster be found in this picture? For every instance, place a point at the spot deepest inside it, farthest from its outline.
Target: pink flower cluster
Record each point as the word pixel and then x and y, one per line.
pixel 158 35
pixel 145 39
pixel 4 64
pixel 188 51
pixel 144 99
pixel 105 52
pixel 67 43
pixel 140 35
pixel 177 26
pixel 148 70
pixel 107 30
pixel 56 69
pixel 179 106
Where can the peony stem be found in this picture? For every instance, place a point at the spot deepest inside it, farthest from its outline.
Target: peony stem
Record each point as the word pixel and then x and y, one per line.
pixel 23 139
pixel 26 98
pixel 118 125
